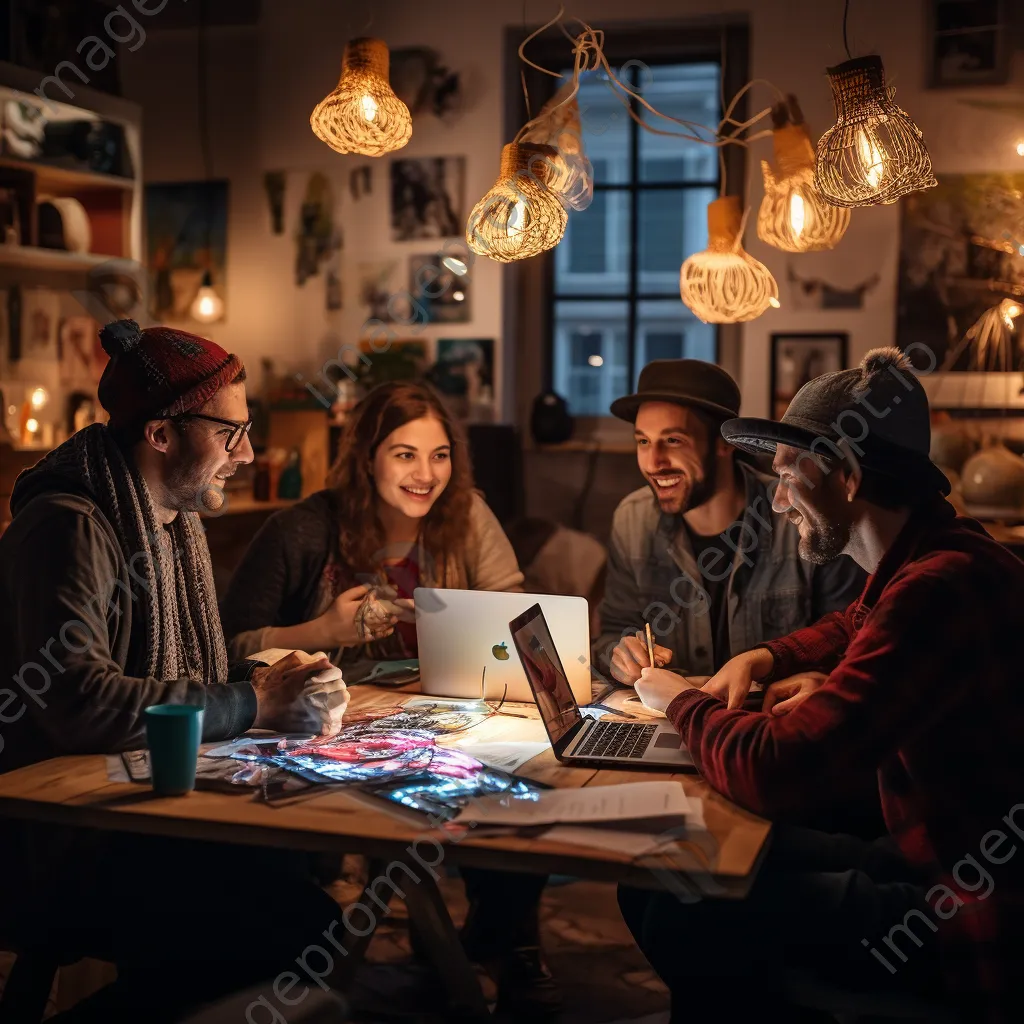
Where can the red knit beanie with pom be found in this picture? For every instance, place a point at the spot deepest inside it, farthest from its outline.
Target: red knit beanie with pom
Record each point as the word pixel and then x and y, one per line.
pixel 157 372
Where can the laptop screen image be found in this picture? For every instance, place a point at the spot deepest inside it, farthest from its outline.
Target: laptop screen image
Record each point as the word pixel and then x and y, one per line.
pixel 555 702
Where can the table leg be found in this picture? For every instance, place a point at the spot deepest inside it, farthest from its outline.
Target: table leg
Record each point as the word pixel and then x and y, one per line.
pixel 356 945
pixel 429 915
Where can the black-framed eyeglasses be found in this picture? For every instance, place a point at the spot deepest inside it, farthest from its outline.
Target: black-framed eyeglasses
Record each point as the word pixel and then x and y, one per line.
pixel 234 439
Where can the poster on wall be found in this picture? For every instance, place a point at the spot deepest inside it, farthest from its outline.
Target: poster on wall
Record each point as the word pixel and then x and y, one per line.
pixel 799 358
pixel 186 230
pixel 428 198
pixel 441 293
pixel 961 249
pixel 82 357
pixel 39 321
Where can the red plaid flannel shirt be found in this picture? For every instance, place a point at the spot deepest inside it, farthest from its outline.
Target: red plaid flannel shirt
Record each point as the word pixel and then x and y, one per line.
pixel 924 683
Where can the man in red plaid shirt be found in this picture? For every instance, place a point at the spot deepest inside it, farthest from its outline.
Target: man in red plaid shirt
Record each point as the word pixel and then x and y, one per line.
pixel 918 679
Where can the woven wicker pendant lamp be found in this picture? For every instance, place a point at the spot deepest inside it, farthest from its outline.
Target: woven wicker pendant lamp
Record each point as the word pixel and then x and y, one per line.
pixel 794 216
pixel 363 115
pixel 520 216
pixel 874 153
pixel 725 284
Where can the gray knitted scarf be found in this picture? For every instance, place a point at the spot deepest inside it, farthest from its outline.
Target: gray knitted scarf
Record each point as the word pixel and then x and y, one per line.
pixel 170 566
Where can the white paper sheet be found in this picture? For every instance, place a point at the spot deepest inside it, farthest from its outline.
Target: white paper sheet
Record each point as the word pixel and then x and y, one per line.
pixel 633 844
pixel 506 756
pixel 631 801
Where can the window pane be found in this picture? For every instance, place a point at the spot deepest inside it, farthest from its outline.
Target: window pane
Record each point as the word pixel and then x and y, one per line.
pixel 587 242
pixel 590 354
pixel 664 345
pixel 666 329
pixel 593 257
pixel 673 225
pixel 688 91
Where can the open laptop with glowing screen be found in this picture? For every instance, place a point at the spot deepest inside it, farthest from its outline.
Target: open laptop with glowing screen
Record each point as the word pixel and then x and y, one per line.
pixel 584 741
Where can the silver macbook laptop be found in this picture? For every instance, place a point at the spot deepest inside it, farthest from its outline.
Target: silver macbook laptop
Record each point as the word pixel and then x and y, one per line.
pixel 463 637
pixel 583 741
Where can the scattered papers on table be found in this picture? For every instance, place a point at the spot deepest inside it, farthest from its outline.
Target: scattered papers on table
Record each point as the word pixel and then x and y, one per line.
pixel 660 804
pixel 506 756
pixel 504 742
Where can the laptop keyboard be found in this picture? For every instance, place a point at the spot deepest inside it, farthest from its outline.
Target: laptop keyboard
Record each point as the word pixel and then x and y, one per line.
pixel 616 739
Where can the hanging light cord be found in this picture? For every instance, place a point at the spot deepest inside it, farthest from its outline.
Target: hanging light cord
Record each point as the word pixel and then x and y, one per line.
pixel 522 71
pixel 203 100
pixel 846 15
pixel 588 55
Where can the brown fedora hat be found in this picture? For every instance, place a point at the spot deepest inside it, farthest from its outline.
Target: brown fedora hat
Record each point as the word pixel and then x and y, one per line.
pixel 684 382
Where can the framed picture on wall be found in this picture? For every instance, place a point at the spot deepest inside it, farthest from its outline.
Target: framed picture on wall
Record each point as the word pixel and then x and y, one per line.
pixel 798 358
pixel 970 42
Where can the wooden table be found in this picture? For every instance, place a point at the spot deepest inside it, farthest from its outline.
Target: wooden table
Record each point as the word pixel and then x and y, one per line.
pixel 77 791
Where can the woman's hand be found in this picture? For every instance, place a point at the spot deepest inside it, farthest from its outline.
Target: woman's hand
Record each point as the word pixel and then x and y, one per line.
pixel 346 623
pixel 733 680
pixel 782 697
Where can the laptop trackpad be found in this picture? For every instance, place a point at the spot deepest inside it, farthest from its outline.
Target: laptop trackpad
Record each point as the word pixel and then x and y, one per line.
pixel 668 739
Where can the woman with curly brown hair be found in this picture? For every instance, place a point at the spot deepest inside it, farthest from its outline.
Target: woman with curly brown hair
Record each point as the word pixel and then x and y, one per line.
pixel 337 572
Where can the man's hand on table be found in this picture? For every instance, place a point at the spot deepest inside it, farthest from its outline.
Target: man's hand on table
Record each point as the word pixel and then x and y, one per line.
pixel 629 658
pixel 657 688
pixel 783 696
pixel 733 680
pixel 300 693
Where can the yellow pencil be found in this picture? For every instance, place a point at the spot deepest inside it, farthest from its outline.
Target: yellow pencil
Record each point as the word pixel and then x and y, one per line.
pixel 650 645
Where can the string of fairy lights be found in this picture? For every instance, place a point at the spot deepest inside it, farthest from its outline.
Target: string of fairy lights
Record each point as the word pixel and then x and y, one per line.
pixel 874 154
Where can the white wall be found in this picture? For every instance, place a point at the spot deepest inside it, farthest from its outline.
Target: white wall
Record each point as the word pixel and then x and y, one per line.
pixel 265 81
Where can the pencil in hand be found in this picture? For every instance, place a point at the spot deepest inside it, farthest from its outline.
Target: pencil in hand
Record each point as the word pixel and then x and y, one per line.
pixel 650 645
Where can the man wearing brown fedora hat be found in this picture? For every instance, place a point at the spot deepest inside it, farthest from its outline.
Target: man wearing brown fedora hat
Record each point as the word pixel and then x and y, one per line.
pixel 698 552
pixel 917 681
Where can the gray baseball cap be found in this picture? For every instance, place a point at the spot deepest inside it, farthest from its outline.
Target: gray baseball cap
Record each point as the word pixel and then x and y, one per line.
pixel 878 410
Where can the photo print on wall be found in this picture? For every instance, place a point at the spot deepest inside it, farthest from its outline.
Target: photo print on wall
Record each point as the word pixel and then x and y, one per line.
pixel 428 198
pixel 438 290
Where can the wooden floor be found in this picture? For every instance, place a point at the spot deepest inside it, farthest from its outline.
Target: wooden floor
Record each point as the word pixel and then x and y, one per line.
pixel 581 930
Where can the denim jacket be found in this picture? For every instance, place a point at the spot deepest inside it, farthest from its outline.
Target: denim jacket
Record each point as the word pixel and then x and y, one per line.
pixel 653 577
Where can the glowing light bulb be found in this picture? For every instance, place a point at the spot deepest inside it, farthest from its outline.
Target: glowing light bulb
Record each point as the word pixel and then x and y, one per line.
pixel 1020 149
pixel 38 398
pixel 796 213
pixel 520 216
pixel 517 219
pixel 363 115
pixel 874 154
pixel 1010 312
pixel 595 360
pixel 32 425
pixel 207 306
pixel 871 160
pixel 459 296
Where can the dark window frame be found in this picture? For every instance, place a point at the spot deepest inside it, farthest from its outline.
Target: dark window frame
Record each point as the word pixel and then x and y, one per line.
pixel 529 287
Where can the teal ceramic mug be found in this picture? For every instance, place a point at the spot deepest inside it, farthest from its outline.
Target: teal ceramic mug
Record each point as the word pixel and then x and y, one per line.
pixel 173 734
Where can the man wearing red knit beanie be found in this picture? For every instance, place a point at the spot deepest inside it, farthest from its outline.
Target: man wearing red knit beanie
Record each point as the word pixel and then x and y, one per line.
pixel 107 606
